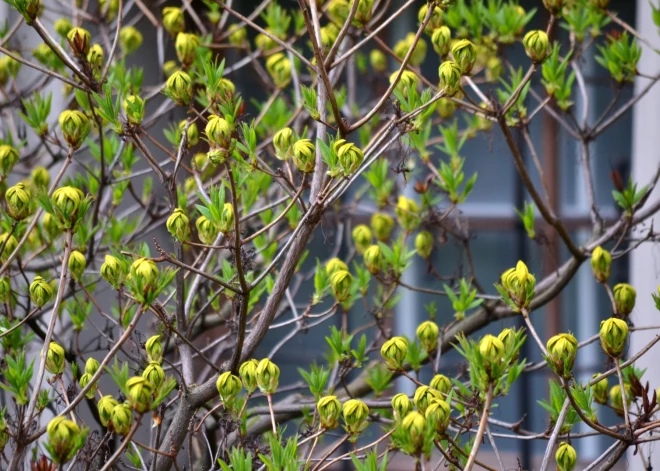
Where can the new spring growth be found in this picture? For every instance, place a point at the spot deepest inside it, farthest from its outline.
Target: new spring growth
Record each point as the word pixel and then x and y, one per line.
pixel 414 424
pixel 441 383
pixel 55 359
pixel 407 82
pixel 349 156
pixel 394 352
pixel 237 36
pixel 121 419
pixel 219 133
pixel 450 78
pixel 435 21
pixel 418 55
pixel 341 282
pixel 279 68
pixel 373 259
pixel 382 224
pixel 602 4
pixel 79 40
pixel 113 271
pixel 134 109
pixel 362 238
pixel 600 390
pixel 407 212
pixel 186 48
pixel 465 55
pixel 95 58
pixel 18 201
pixel 178 225
pixel 616 398
pixel 66 202
pixel 130 39
pixel 8 158
pixel 206 230
pixel 64 438
pixel 173 20
pixel 139 393
pixel 441 40
pixel 624 298
pixel 424 244
pixel 304 155
pixel 355 414
pixel 334 265
pixel 77 265
pixel 338 10
pixel 424 397
pixel 91 366
pixel 50 225
pixel 10 244
pixel 283 143
pixel 40 291
pixel 613 336
pixel 248 374
pixel 537 46
pixel 562 350
pixel 439 413
pixel 329 409
pixel 268 376
pixel 554 6
pixel 401 406
pixel 601 261
pixel 364 12
pixel 518 286
pixel 226 224
pixel 509 339
pixel 75 127
pixel 492 351
pixel 62 26
pixel 179 88
pixel 427 333
pixel 192 135
pixel 154 374
pixel 378 60
pixel 5 289
pixel 105 406
pixel 84 381
pixel 566 457
pixel 154 348
pixel 228 386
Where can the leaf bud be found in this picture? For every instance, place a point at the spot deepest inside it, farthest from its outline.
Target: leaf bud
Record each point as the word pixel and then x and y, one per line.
pixel 268 376
pixel 304 155
pixel 394 352
pixel 139 393
pixel 134 109
pixel 554 6
pixel 562 350
pixel 329 409
pixel 340 282
pixel 40 291
pixel 355 414
pixel 613 336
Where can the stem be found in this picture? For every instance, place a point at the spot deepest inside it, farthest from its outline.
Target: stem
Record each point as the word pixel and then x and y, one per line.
pixel 624 399
pixel 482 428
pixel 272 414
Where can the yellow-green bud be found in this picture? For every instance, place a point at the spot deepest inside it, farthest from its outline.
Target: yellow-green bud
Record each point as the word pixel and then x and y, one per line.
pixel 613 336
pixel 186 48
pixel 77 264
pixel 450 77
pixel 55 359
pixel 355 414
pixel 616 398
pixel 248 374
pixel 79 39
pixel 465 55
pixel 304 155
pixel 134 109
pixel 340 282
pixel 5 289
pixel 508 338
pixel 9 243
pixel 268 376
pixel 439 413
pixel 144 270
pixel 154 349
pixel 139 393
pixel 441 383
pixel 66 201
pixel 362 238
pixel 554 6
pixel 329 35
pixel 562 350
pixel 218 131
pixel 283 142
pixel 427 333
pixel 105 406
pixel 329 411
pixel 338 10
pixel 110 7
pixel 4 435
pixel 226 224
pixel 435 21
pixel 601 261
pixel 45 55
pixel 154 374
pixel 378 60
pixel 179 88
pixel 63 435
pixel 173 20
pixel 566 457
pixel 40 291
pixel 95 58
pixel 206 230
pixel 18 201
pixel 491 349
pixel 192 135
pixel 407 82
pixel 8 158
pixel 414 424
pixel 537 45
pixel 113 271
pixel 62 26
pixel 169 67
pixel 382 225
pixel 418 55
pixel 279 67
pixel 394 352
pixel 602 4
pixel 441 40
pixel 519 284
pixel 265 43
pixel 350 156
pixel 424 244
pixel 401 406
pixel 237 36
pixel 75 127
pixel 624 298
pixel 91 366
pixel 121 419
pixel 600 390
pixel 494 69
pixel 364 12
pixel 178 225
pixel 334 265
pixel 84 381
pixel 228 386
pixel 424 397
pixel 374 259
pixel 50 225
pixel 219 155
pixel 407 212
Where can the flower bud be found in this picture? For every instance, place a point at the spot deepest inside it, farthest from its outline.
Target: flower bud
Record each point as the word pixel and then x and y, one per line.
pixel 75 127
pixel 139 393
pixel 329 411
pixel 110 8
pixel 192 135
pixel 364 12
pixel 602 4
pixel 186 48
pixel 407 82
pixel 373 259
pixel 9 244
pixel 113 271
pixel 537 45
pixel 355 415
pixel 218 131
pixel 91 366
pixel 600 390
pixel 105 406
pixel 435 21
pixel 418 55
pixel 491 349
pixel 134 109
pixel 494 70
pixel 5 289
pixel 144 271
pixel 414 424
pixel 424 244
pixel 63 435
pixel 334 265
pixel 8 158
pixel 18 201
pixel 382 225
pixel 283 142
pixel 179 88
pixel 50 225
pixel 66 201
pixel 439 413
pixel 304 155
pixel 441 40
pixel 340 282
pixel 79 40
pixel 84 381
pixel 338 10
pixel 55 359
pixel 613 336
pixel 77 264
pixel 248 374
pixel 154 374
pixel 228 386
pixel 427 333
pixel 508 338
pixel 349 156
pixel 566 457
pixel 62 26
pixel 554 6
pixel 407 212
pixel 450 77
pixel 465 55
pixel 173 20
pixel 178 225
pixel 424 397
pixel 121 419
pixel 378 60
pixel 40 291
pixel 441 383
pixel 394 352
pixel 601 261
pixel 237 36
pixel 154 349
pixel 616 398
pixel 268 376
pixel 401 406
pixel 562 350
pixel 265 43
pixel 226 224
pixel 279 67
pixel 206 230
pixel 130 39
pixel 95 58
pixel 519 284
pixel 361 238
pixel 624 298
